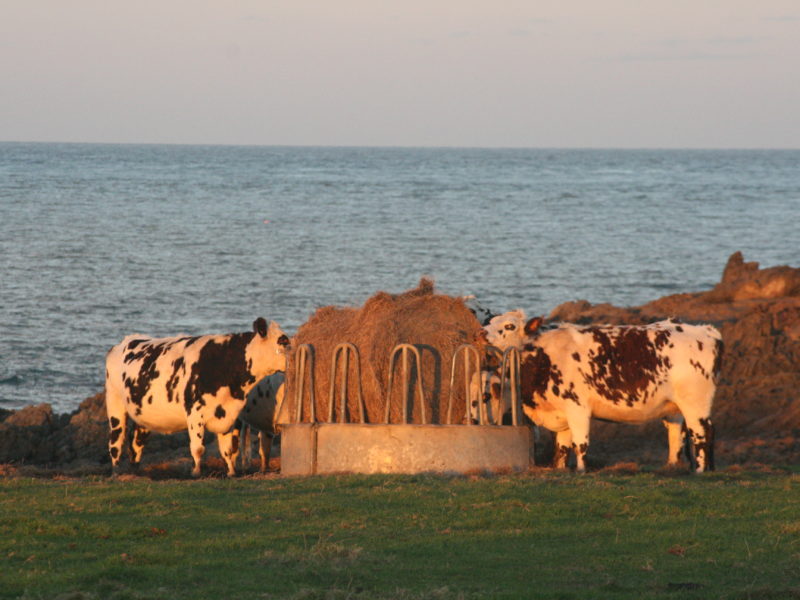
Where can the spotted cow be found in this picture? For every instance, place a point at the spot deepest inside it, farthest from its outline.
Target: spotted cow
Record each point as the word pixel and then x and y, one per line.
pixel 260 413
pixel 483 314
pixel 631 374
pixel 507 330
pixel 197 383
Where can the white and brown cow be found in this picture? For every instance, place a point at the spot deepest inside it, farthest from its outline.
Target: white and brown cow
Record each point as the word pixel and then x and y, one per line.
pixel 507 330
pixel 197 383
pixel 630 374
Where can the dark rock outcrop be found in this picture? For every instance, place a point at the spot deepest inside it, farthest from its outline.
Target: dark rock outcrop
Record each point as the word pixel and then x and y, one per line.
pixel 745 281
pixel 757 407
pixel 35 435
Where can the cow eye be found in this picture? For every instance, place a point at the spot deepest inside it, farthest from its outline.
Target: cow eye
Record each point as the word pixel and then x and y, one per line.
pixel 510 326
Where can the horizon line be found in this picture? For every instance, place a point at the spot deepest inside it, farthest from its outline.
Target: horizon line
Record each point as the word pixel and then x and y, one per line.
pixel 411 146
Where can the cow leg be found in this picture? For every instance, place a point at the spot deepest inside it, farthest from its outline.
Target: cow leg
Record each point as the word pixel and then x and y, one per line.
pixel 701 434
pixel 117 423
pixel 563 444
pixel 197 430
pixel 138 440
pixel 229 448
pixel 580 441
pixel 676 438
pixel 264 449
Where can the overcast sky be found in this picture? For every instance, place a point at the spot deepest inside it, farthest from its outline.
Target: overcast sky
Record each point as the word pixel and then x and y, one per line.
pixel 533 73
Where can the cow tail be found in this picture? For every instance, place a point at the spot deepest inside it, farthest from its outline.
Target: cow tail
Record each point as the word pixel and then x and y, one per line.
pixel 719 351
pixel 710 432
pixel 245 446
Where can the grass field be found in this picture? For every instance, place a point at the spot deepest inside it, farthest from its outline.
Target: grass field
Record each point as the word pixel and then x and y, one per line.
pixel 608 534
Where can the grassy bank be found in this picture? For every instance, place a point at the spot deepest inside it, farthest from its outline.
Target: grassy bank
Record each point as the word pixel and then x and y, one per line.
pixel 545 535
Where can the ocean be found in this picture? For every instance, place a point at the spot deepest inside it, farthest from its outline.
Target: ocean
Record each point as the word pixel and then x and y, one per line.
pixel 99 241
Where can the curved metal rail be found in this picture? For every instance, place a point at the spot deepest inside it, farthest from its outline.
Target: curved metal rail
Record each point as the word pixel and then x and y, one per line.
pixel 340 380
pixel 468 351
pixel 404 350
pixel 344 351
pixel 510 367
pixel 304 356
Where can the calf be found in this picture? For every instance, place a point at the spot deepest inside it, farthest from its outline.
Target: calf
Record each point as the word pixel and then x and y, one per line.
pixel 629 374
pixel 260 412
pixel 200 383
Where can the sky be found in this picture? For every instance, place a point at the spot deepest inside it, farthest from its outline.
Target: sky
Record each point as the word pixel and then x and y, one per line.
pixel 493 73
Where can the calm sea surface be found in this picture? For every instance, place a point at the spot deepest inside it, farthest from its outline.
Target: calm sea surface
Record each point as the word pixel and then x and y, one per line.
pixel 98 241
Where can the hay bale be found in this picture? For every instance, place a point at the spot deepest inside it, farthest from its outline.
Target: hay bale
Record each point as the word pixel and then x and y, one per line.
pixel 435 324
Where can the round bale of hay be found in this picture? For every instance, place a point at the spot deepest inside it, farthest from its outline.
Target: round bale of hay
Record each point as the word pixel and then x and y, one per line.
pixel 435 324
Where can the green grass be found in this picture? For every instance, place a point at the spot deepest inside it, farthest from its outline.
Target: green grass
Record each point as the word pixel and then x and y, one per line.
pixel 541 535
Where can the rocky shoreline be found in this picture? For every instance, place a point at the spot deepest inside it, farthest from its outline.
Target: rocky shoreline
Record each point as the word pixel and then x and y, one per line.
pixel 757 407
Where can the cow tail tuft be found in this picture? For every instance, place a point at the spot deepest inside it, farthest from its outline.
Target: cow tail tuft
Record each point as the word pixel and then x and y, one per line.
pixel 245 452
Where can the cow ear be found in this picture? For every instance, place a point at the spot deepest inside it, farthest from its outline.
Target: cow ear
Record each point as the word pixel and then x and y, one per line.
pixel 481 337
pixel 260 326
pixel 533 325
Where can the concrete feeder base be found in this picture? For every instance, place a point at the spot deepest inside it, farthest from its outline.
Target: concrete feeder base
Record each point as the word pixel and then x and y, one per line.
pixel 320 448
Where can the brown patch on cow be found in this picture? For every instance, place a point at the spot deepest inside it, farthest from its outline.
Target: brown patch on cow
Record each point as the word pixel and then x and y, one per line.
pixel 569 393
pixel 707 443
pixel 115 433
pixel 698 367
pixel 661 338
pixel 576 357
pixel 560 455
pixel 624 366
pixel 535 372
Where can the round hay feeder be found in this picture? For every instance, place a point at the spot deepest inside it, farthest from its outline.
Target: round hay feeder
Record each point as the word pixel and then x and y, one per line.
pixel 310 446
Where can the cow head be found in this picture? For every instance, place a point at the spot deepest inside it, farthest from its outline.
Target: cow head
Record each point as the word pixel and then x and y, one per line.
pixel 266 352
pixel 484 315
pixel 507 330
pixel 487 399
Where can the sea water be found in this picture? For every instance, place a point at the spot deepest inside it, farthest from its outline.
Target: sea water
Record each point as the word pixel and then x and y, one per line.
pixel 99 241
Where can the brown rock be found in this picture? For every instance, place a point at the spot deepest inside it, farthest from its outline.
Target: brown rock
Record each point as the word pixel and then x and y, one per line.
pixel 38 415
pixel 745 281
